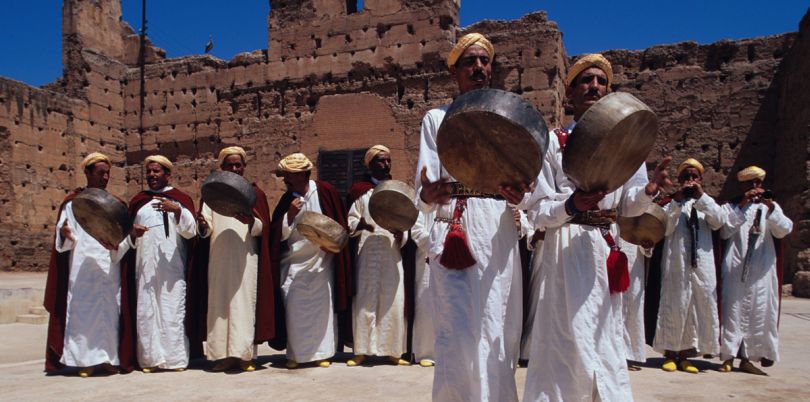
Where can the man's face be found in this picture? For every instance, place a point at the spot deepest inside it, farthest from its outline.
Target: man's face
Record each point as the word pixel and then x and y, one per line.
pixel 98 175
pixel 690 174
pixel 473 70
pixel 156 176
pixel 296 182
pixel 234 163
pixel 750 184
pixel 587 88
pixel 380 166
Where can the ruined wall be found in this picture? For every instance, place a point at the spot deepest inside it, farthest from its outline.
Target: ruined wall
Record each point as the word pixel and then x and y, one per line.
pixel 791 175
pixel 334 78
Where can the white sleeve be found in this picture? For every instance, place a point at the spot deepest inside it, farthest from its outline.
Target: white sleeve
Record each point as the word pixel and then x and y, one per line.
pixel 61 245
pixel 779 224
pixel 208 215
pixel 355 214
pixel 256 230
pixel 673 212
pixel 634 194
pixel 714 214
pixel 187 227
pixel 428 158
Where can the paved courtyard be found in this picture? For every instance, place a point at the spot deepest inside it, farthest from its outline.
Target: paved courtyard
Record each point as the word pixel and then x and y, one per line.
pixel 22 379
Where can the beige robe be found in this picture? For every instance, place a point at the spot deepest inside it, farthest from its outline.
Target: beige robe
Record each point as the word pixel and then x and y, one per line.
pixel 232 279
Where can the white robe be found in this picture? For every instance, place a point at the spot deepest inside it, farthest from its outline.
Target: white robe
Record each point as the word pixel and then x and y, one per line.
pixel 687 313
pixel 160 275
pixel 633 301
pixel 379 326
pixel 424 336
pixel 751 309
pixel 577 350
pixel 477 311
pixel 307 276
pixel 94 296
pixel 233 263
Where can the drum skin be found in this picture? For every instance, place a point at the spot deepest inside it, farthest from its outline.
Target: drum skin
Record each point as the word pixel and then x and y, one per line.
pixel 648 227
pixel 322 230
pixel 392 207
pixel 102 216
pixel 491 138
pixel 609 143
pixel 228 194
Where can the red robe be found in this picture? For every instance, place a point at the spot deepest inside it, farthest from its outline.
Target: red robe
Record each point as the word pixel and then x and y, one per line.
pixel 197 286
pixel 56 290
pixel 331 206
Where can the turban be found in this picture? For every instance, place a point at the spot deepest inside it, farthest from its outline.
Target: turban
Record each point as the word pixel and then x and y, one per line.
pixel 374 151
pixel 159 159
pixel 587 61
pixel 690 163
pixel 294 163
pixel 751 173
pixel 94 158
pixel 226 152
pixel 467 41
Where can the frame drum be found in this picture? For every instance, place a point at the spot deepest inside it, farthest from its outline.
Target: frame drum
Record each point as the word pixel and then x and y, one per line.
pixel 322 230
pixel 391 206
pixel 228 194
pixel 102 216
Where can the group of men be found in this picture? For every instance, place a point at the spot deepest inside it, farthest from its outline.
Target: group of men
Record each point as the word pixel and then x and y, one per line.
pixel 256 278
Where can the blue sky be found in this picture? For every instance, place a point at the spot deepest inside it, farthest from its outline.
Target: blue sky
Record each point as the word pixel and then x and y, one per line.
pixel 30 31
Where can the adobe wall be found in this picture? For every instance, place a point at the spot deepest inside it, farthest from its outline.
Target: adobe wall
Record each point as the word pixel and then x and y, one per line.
pixel 334 79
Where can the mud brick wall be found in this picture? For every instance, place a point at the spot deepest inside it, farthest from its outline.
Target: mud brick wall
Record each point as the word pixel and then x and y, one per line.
pixel 335 78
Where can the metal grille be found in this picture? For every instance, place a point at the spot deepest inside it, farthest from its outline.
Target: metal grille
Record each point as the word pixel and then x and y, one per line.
pixel 342 168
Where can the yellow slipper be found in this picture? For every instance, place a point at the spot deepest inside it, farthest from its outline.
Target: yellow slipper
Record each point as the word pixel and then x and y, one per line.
pixel 247 365
pixel 726 366
pixel 427 363
pixel 688 367
pixel 146 370
pixel 291 364
pixel 324 363
pixel 356 361
pixel 85 372
pixel 749 368
pixel 399 362
pixel 669 366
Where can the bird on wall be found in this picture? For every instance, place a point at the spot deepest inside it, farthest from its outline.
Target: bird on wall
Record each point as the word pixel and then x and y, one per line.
pixel 210 45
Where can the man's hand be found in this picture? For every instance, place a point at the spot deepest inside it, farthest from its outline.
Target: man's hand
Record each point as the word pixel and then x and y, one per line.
pixel 295 208
pixel 587 201
pixel 434 192
pixel 751 195
pixel 660 180
pixel 363 225
pixel 647 244
pixel 166 205
pixel 66 233
pixel 514 195
pixel 202 224
pixel 137 231
pixel 397 237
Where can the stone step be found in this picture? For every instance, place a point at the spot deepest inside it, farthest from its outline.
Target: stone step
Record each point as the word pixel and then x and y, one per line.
pixel 32 319
pixel 38 310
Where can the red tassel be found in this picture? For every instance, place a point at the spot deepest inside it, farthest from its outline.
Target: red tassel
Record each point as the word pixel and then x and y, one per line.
pixel 618 273
pixel 456 254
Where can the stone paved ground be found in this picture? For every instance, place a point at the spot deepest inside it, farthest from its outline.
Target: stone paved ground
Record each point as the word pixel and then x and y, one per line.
pixel 21 376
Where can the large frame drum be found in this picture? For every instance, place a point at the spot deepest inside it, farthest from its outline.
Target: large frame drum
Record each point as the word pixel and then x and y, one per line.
pixel 609 143
pixel 392 206
pixel 491 138
pixel 649 227
pixel 228 194
pixel 322 230
pixel 102 216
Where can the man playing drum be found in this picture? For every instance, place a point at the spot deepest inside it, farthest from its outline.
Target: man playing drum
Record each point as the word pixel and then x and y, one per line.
pixel 160 264
pixel 752 273
pixel 577 350
pixel 233 259
pixel 474 260
pixel 688 320
pixel 85 294
pixel 378 319
pixel 314 283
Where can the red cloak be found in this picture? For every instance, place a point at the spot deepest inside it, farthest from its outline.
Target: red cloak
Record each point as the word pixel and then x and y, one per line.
pixel 197 286
pixel 331 206
pixel 56 289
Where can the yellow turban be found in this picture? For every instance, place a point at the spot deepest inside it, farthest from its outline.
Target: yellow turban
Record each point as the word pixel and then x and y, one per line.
pixel 751 173
pixel 587 61
pixel 226 152
pixel 294 163
pixel 690 163
pixel 159 159
pixel 467 41
pixel 374 151
pixel 94 158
